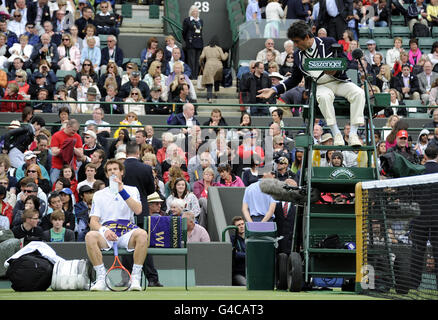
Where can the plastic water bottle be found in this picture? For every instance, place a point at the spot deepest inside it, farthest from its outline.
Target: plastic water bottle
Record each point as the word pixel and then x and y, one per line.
pixel 114 186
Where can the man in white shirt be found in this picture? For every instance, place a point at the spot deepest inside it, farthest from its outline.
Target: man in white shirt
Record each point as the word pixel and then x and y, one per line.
pixel 90 172
pixel 110 209
pixel 98 115
pixel 18 25
pixel 20 6
pixel 269 46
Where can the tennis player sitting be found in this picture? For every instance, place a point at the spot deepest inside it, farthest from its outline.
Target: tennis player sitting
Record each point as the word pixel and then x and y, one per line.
pixel 329 83
pixel 111 219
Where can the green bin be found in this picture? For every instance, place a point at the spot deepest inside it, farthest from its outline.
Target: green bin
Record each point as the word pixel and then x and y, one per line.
pixel 260 255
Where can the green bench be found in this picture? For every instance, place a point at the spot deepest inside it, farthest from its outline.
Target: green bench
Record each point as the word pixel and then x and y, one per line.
pixel 163 251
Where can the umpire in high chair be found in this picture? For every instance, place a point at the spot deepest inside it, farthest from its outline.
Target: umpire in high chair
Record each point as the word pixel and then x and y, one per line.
pixel 329 83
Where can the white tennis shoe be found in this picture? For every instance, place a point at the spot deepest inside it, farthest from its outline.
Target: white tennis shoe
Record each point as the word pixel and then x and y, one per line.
pixel 338 140
pixel 99 285
pixel 354 141
pixel 135 284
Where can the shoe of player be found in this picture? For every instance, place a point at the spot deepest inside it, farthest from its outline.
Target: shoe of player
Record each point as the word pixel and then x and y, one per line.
pixel 339 140
pixel 99 285
pixel 354 141
pixel 135 284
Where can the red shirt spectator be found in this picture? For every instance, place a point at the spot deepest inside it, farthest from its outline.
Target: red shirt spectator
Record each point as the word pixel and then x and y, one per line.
pixel 12 94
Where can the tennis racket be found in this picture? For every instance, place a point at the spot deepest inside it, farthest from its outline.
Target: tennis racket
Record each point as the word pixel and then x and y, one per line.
pixel 117 277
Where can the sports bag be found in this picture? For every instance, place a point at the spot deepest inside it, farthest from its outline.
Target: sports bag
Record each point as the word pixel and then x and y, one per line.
pixel 71 275
pixel 30 272
pixel 331 242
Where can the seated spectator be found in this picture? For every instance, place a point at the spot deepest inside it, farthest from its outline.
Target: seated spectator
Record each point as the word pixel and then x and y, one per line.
pixel 112 72
pixel 68 173
pixel 174 161
pixel 416 13
pixel 68 207
pixel 55 36
pixel 63 98
pixel 383 78
pixel 4 53
pixel 249 147
pixel 86 82
pixel 98 159
pixel 269 46
pixel 29 189
pixel 5 209
pixel 131 119
pixel 69 55
pixel 370 52
pixel 181 191
pixel 156 97
pixel 44 156
pixel 176 207
pixel 159 57
pixel 170 45
pixel 394 102
pixel 29 230
pixel 86 19
pixel 134 82
pixel 393 55
pixel 378 62
pixel 18 25
pixel 390 141
pixel 155 69
pixel 130 67
pixel 195 232
pixel 270 64
pixel 106 21
pixel 22 50
pixel 50 75
pixel 111 96
pixel 176 57
pixel 175 173
pixel 46 50
pixel 146 53
pixel 17 64
pixel 87 69
pixel 288 50
pixel 426 79
pixel 82 210
pixel 177 77
pixel 32 33
pixel 43 105
pixel 228 179
pixel 404 60
pixel 251 174
pixel 186 117
pixel 432 14
pixel 201 185
pixel 12 94
pixel 134 97
pixel 34 171
pixel 286 67
pixel 154 202
pixel 90 173
pixel 11 36
pixel 92 53
pixel 58 233
pixel 406 84
pixel 179 91
pixel 111 53
pixel 347 37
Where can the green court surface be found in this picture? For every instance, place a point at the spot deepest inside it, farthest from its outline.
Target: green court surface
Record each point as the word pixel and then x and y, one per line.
pixel 178 293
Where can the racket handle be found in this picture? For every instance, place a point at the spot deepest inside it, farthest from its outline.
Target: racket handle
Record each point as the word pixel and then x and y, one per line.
pixel 115 248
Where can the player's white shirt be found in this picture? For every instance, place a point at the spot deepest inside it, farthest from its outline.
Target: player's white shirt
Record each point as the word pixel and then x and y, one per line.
pixel 108 206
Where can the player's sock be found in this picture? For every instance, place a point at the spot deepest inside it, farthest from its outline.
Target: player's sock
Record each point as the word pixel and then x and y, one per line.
pixel 136 270
pixel 334 129
pixel 100 271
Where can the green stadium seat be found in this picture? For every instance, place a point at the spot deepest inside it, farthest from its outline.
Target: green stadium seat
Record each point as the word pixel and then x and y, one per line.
pixel 60 74
pixel 400 31
pixel 365 33
pixel 397 20
pixel 381 32
pixel 384 43
pixel 103 40
pixel 352 74
pixel 435 33
pixel 154 11
pixel 425 44
pixel 127 10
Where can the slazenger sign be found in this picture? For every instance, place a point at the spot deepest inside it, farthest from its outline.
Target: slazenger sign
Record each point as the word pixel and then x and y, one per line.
pixel 342 173
pixel 325 64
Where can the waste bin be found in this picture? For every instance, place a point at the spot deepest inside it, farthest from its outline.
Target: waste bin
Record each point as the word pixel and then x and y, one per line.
pixel 260 255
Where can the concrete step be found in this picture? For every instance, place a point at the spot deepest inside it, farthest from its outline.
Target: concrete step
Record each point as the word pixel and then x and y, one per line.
pixel 140 30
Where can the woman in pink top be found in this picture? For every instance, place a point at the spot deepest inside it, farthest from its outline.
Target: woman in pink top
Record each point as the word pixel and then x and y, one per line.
pixel 227 178
pixel 414 53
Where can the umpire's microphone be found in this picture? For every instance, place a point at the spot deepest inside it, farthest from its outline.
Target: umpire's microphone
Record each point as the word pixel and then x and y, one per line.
pixel 357 54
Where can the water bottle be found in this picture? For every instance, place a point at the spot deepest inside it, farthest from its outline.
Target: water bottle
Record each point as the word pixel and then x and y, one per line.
pixel 113 185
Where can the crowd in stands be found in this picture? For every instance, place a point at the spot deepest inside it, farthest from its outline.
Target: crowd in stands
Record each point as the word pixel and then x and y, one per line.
pixel 48 175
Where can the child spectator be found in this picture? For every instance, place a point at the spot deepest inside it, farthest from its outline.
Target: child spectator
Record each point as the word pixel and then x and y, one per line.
pixel 58 233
